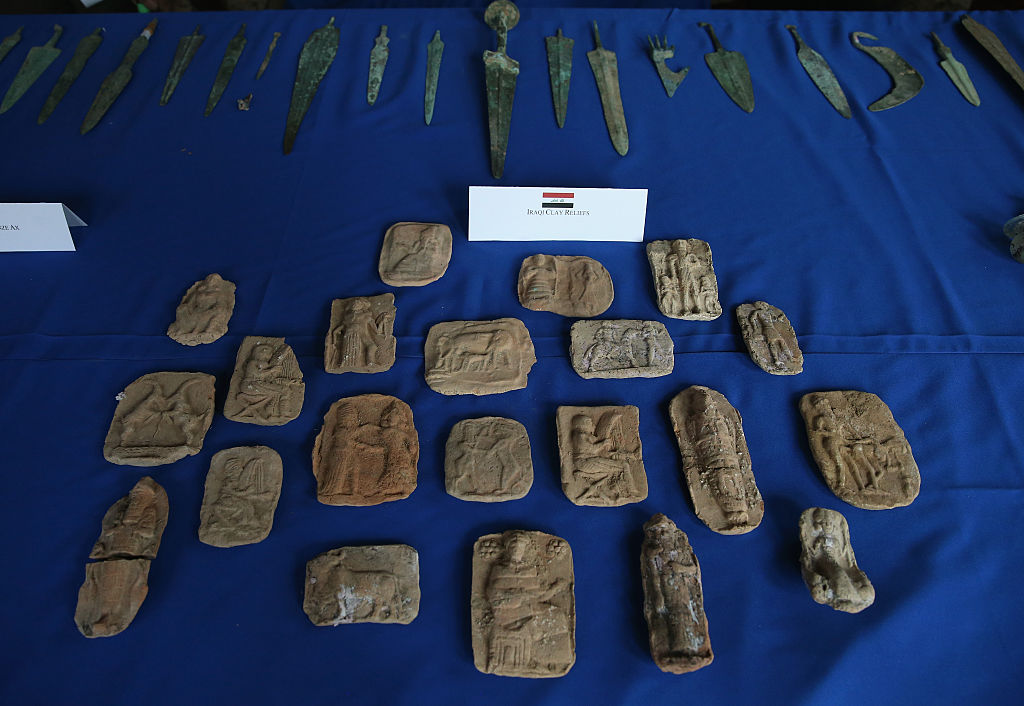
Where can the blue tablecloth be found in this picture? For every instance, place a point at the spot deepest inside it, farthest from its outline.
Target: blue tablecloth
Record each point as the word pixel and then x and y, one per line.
pixel 879 237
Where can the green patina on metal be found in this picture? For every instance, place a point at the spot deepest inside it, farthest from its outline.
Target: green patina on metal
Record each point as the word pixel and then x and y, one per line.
pixel 115 83
pixel 660 51
pixel 270 53
pixel 559 49
pixel 317 56
pixel 434 51
pixel 9 42
pixel 993 46
pixel 906 82
pixel 378 62
pixel 730 70
pixel 226 70
pixel 187 48
pixel 821 74
pixel 501 73
pixel 83 52
pixel 956 71
pixel 605 66
pixel 38 60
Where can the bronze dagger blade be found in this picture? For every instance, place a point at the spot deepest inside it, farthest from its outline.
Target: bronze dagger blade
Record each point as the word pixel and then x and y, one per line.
pixel 226 70
pixel 38 60
pixel 435 50
pixel 559 50
pixel 605 66
pixel 115 83
pixel 83 52
pixel 187 48
pixel 500 72
pixel 316 58
pixel 993 46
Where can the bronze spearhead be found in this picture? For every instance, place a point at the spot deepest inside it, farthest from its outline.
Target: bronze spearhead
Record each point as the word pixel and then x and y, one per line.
pixel 316 58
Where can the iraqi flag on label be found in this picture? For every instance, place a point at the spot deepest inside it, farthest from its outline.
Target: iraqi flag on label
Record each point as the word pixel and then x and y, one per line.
pixel 556 199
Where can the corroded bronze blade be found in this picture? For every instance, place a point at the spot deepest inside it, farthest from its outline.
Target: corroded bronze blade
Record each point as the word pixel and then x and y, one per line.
pixel 434 51
pixel 730 70
pixel 378 62
pixel 270 52
pixel 187 48
pixel 227 68
pixel 38 60
pixel 9 42
pixel 993 46
pixel 114 84
pixel 83 52
pixel 660 51
pixel 906 82
pixel 317 56
pixel 559 49
pixel 821 74
pixel 957 72
pixel 501 73
pixel 605 66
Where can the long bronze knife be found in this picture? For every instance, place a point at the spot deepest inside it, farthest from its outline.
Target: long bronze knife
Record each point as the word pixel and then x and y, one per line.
pixel 993 46
pixel 559 49
pixel 38 60
pixel 270 53
pixel 187 48
pixel 434 51
pixel 227 68
pixel 378 62
pixel 115 83
pixel 821 74
pixel 605 66
pixel 317 56
pixel 500 72
pixel 83 52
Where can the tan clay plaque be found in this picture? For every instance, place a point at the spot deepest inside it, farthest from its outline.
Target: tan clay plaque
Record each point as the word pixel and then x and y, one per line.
pixel 242 490
pixel 621 348
pixel 716 461
pixel 601 456
pixel 673 599
pixel 827 563
pixel 372 584
pixel 566 285
pixel 160 418
pixel 861 451
pixel 111 596
pixel 266 387
pixel 488 460
pixel 684 279
pixel 414 254
pixel 366 452
pixel 770 338
pixel 361 338
pixel 523 613
pixel 134 525
pixel 478 357
pixel 204 311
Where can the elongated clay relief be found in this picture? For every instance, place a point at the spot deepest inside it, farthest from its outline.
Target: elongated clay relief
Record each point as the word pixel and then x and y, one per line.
pixel 370 584
pixel 266 386
pixel 243 486
pixel 134 525
pixel 415 254
pixel 488 460
pixel 770 338
pixel 361 338
pixel 566 285
pixel 827 562
pixel 621 348
pixel 684 279
pixel 204 312
pixel 601 456
pixel 478 357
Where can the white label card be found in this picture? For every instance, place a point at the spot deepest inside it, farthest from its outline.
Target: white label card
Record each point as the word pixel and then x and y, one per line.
pixel 556 213
pixel 37 227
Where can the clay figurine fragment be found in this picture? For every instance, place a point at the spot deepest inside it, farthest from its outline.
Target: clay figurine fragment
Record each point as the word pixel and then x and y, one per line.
pixel 684 279
pixel 160 418
pixel 861 451
pixel 133 526
pixel 111 595
pixel 716 461
pixel 415 254
pixel 242 490
pixel 566 285
pixel 601 456
pixel 770 338
pixel 366 452
pixel 673 599
pixel 372 584
pixel 827 562
pixel 488 460
pixel 620 348
pixel 266 387
pixel 478 357
pixel 361 338
pixel 204 312
pixel 523 612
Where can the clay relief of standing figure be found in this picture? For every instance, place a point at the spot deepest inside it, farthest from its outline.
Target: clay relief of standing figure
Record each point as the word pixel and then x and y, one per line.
pixel 359 336
pixel 264 385
pixel 828 565
pixel 719 457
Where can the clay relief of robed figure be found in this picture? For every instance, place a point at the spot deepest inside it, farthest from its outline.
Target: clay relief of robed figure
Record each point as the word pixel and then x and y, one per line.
pixel 601 456
pixel 684 279
pixel 770 338
pixel 566 285
pixel 361 336
pixel 266 386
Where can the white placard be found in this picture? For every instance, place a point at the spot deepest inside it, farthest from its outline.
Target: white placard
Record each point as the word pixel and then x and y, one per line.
pixel 556 213
pixel 37 227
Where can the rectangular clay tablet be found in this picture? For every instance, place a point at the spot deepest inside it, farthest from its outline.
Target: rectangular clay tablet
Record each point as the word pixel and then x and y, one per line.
pixel 621 348
pixel 361 337
pixel 601 456
pixel 111 595
pixel 478 357
pixel 266 386
pixel 371 584
pixel 242 490
pixel 684 279
pixel 488 460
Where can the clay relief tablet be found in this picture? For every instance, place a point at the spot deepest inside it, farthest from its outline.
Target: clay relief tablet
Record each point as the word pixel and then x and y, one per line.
pixel 414 254
pixel 566 285
pixel 673 599
pixel 621 348
pixel 366 452
pixel 770 338
pixel 266 387
pixel 861 451
pixel 134 525
pixel 684 279
pixel 242 490
pixel 111 596
pixel 488 460
pixel 204 311
pixel 372 584
pixel 827 562
pixel 160 418
pixel 361 338
pixel 478 357
pixel 716 462
pixel 600 454
pixel 523 613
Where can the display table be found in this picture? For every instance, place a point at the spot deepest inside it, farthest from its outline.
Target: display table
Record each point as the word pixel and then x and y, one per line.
pixel 878 236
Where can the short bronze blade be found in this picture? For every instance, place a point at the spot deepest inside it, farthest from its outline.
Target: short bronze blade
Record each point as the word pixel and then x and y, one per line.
pixel 434 51
pixel 9 42
pixel 821 74
pixel 559 48
pixel 226 70
pixel 187 48
pixel 993 46
pixel 957 72
pixel 317 56
pixel 378 62
pixel 730 70
pixel 605 66
pixel 906 82
pixel 38 60
pixel 270 53
pixel 115 83
pixel 83 52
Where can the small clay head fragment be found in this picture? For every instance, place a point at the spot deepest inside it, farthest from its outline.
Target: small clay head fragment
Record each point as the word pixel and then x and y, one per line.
pixel 134 525
pixel 827 562
pixel 415 254
pixel 204 311
pixel 566 285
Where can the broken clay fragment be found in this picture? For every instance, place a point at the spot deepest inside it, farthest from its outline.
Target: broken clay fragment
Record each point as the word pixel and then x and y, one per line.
pixel 522 605
pixel 684 279
pixel 134 525
pixel 770 338
pixel 566 285
pixel 478 357
pixel 600 455
pixel 488 460
pixel 204 311
pixel 827 562
pixel 371 584
pixel 415 254
pixel 620 348
pixel 266 386
pixel 243 486
pixel 111 595
pixel 361 338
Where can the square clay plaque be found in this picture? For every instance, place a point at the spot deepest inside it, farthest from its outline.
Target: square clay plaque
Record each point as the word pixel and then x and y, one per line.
pixel 372 584
pixel 684 279
pixel 601 456
pixel 415 254
pixel 488 460
pixel 266 386
pixel 242 490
